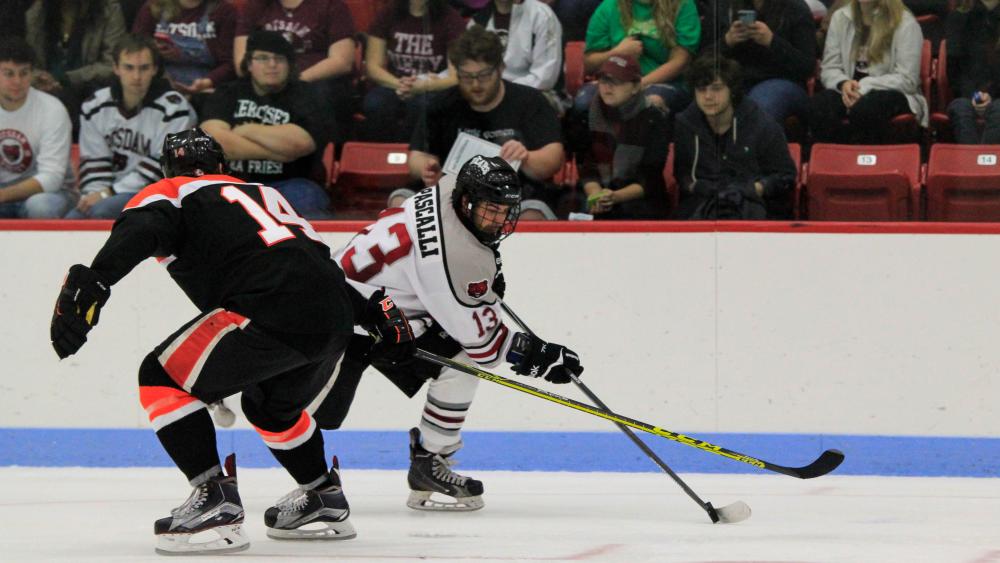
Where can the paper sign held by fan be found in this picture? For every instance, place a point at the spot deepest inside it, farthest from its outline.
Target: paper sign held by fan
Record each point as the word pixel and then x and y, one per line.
pixel 467 146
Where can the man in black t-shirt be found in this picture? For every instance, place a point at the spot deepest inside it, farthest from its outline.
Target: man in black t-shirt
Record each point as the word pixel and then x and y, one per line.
pixel 272 125
pixel 518 118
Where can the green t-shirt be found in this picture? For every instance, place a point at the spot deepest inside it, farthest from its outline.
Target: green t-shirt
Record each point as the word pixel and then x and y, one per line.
pixel 605 31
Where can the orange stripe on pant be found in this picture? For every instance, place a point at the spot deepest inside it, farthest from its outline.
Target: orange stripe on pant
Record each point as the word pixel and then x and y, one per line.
pixel 184 358
pixel 165 405
pixel 291 438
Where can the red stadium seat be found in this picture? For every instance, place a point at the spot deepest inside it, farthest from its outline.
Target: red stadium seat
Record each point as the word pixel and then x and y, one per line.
pixel 329 164
pixel 669 180
pixel 573 66
pixel 367 173
pixel 74 159
pixel 963 183
pixel 863 182
pixel 795 150
pixel 374 165
pixel 568 175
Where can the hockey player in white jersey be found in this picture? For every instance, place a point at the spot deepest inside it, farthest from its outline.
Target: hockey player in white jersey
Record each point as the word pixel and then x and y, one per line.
pixel 122 128
pixel 438 257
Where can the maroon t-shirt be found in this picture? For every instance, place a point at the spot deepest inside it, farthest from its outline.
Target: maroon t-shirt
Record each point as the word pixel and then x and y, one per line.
pixel 410 48
pixel 311 27
pixel 215 29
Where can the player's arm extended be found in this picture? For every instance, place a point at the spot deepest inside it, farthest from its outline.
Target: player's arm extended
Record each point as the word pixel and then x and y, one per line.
pixel 150 230
pixel 237 147
pixel 289 141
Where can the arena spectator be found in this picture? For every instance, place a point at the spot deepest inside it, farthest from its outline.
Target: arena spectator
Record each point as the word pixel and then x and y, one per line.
pixel 574 16
pixel 662 34
pixel 73 41
pixel 973 34
pixel 194 39
pixel 621 166
pixel 272 126
pixel 322 34
pixel 515 117
pixel 122 128
pixel 12 18
pixel 130 9
pixel 731 158
pixel 36 180
pixel 776 52
pixel 917 8
pixel 871 72
pixel 532 39
pixel 406 58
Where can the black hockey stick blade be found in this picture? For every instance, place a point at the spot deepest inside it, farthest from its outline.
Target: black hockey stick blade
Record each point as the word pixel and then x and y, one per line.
pixel 823 465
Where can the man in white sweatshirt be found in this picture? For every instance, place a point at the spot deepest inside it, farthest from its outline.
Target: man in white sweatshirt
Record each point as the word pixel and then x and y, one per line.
pixel 36 180
pixel 532 38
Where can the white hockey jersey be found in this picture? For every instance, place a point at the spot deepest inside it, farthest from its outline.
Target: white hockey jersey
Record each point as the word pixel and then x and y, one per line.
pixel 434 269
pixel 123 152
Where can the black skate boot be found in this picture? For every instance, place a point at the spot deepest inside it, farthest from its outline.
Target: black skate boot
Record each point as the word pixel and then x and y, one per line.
pixel 431 473
pixel 316 514
pixel 213 506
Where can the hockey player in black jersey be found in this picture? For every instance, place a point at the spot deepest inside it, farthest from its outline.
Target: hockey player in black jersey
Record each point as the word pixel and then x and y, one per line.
pixel 276 316
pixel 439 257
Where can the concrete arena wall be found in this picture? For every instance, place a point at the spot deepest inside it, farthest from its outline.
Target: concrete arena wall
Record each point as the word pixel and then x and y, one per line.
pixel 731 332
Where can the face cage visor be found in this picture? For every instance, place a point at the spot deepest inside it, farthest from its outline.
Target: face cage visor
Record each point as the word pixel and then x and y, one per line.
pixel 506 228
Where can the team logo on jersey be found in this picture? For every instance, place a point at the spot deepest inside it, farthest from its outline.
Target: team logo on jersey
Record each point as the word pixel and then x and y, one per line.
pixel 478 289
pixel 16 155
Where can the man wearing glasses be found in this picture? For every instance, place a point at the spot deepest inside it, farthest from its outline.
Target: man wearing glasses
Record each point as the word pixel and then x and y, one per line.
pixel 517 118
pixel 271 124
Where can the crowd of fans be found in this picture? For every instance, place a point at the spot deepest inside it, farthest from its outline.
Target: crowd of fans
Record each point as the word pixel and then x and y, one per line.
pixel 725 82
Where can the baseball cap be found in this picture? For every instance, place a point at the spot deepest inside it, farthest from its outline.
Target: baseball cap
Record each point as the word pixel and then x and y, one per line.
pixel 623 68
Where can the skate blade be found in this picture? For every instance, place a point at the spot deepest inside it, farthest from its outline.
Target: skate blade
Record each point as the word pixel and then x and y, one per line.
pixel 230 539
pixel 315 531
pixel 421 500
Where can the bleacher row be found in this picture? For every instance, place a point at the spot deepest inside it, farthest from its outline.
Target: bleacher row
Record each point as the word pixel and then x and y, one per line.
pixel 839 183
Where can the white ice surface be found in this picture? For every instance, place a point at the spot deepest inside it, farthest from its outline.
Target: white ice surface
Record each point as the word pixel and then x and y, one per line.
pixel 107 515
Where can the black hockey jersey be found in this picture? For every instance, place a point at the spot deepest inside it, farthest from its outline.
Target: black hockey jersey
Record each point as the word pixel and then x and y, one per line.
pixel 233 245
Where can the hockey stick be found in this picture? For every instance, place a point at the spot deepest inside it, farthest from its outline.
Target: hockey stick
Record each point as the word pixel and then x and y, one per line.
pixel 825 463
pixel 729 514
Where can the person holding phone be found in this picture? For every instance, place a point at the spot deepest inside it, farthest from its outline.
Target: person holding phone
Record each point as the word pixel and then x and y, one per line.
pixel 773 41
pixel 973 34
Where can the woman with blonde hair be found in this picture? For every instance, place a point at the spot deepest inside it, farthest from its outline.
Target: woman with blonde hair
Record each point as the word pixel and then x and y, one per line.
pixel 662 34
pixel 871 72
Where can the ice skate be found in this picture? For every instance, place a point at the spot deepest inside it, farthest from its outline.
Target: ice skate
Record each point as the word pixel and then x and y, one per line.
pixel 209 522
pixel 431 475
pixel 317 514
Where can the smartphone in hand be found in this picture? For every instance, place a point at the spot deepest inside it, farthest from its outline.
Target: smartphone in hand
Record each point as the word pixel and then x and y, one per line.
pixel 748 17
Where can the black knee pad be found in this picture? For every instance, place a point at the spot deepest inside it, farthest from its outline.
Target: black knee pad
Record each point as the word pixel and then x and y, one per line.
pixel 252 401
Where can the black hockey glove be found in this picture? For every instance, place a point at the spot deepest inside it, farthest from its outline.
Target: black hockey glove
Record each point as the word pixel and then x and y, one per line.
pixel 388 325
pixel 537 358
pixel 78 308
